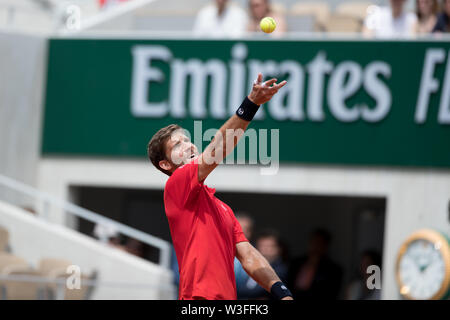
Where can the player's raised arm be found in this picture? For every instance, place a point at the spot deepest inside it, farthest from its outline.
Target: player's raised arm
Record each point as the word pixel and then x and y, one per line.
pixel 229 134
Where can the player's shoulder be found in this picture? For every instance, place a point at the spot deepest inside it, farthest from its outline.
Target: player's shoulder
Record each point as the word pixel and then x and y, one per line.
pixel 180 174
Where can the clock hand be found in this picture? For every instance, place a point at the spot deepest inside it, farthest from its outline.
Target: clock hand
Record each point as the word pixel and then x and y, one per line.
pixel 423 268
pixel 417 263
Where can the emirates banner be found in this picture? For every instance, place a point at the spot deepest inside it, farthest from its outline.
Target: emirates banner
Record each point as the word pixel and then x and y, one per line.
pixel 383 103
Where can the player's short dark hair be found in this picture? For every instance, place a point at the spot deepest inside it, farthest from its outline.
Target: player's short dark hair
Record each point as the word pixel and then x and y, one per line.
pixel 156 148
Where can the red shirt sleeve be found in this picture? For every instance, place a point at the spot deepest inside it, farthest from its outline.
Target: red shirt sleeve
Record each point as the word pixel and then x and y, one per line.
pixel 238 233
pixel 183 186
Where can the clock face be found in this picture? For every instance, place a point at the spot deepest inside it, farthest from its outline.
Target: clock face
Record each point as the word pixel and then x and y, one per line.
pixel 422 269
pixel 423 266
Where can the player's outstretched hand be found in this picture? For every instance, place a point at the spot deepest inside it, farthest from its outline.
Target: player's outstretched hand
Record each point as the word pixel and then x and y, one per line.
pixel 264 91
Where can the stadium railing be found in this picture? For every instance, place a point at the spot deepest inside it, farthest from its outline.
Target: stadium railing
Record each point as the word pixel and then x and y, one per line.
pixel 63 286
pixel 48 200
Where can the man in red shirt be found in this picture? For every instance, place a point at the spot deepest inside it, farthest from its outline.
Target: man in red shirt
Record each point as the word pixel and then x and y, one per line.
pixel 205 232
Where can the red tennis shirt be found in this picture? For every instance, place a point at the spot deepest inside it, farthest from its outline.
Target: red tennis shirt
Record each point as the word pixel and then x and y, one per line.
pixel 204 232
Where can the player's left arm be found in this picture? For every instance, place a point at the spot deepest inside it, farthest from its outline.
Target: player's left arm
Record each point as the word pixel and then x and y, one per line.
pixel 260 270
pixel 229 134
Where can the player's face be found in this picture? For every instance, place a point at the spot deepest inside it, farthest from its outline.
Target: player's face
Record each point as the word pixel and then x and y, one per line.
pixel 180 150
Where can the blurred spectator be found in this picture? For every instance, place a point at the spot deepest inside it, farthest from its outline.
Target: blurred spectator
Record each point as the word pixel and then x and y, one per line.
pixel 358 290
pixel 315 276
pixel 390 22
pixel 426 11
pixel 29 209
pixel 272 248
pixel 135 247
pixel 247 224
pixel 221 19
pixel 269 244
pixel 443 20
pixel 260 9
pixel 108 233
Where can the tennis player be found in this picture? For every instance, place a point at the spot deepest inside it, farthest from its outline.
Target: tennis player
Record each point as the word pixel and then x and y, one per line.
pixel 205 232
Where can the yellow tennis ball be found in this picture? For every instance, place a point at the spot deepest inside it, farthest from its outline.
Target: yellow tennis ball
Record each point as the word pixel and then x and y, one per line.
pixel 267 24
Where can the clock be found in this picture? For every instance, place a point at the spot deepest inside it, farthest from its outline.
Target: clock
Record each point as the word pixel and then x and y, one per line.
pixel 423 266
